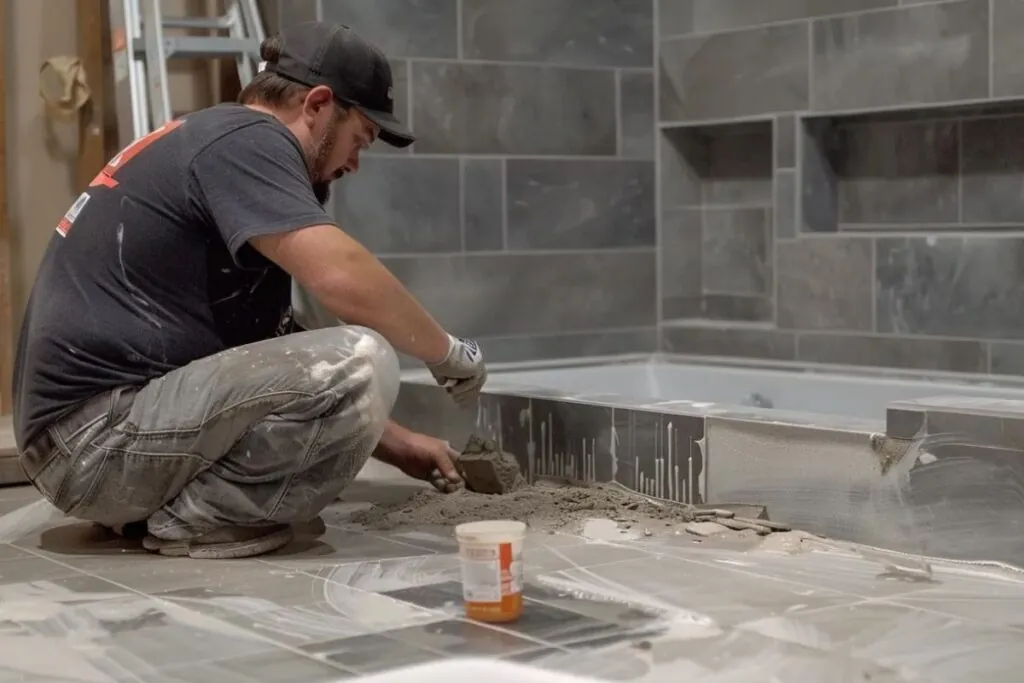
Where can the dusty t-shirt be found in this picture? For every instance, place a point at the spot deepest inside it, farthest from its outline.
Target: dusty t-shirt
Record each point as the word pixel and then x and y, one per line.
pixel 151 268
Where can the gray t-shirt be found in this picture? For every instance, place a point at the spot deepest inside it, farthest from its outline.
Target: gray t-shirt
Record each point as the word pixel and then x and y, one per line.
pixel 151 268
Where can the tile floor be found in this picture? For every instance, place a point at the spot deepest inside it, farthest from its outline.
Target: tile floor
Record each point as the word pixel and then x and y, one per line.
pixel 78 605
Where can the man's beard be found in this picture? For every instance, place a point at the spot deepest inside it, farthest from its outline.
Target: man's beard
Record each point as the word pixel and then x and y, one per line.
pixel 318 156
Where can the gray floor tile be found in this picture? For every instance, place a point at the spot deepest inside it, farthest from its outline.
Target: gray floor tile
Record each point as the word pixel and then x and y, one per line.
pixel 273 666
pixel 370 654
pixel 204 580
pixel 557 626
pixel 462 638
pixel 27 569
pixel 10 552
pixel 935 646
pixel 606 610
pixel 339 546
pixel 392 574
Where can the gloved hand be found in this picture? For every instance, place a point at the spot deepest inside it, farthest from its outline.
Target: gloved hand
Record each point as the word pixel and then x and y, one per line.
pixel 462 372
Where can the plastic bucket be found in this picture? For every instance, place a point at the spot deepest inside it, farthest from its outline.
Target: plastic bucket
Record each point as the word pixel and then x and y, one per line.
pixel 492 569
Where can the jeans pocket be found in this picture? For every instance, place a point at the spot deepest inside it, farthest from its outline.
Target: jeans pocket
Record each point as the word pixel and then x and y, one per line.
pixel 129 486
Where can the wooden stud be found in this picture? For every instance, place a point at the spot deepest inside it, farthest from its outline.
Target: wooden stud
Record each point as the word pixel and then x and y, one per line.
pixel 97 122
pixel 7 332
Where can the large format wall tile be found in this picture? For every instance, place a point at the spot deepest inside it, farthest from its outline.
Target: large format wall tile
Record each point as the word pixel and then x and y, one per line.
pixel 993 170
pixel 916 354
pixel 505 294
pixel 718 15
pixel 680 254
pixel 1007 66
pixel 636 114
pixel 463 108
pixel 401 204
pixel 401 28
pixel 580 204
pixel 721 340
pixel 767 72
pixel 825 283
pixel 735 251
pixel 483 204
pixel 580 344
pixel 950 286
pixel 579 32
pixel 926 53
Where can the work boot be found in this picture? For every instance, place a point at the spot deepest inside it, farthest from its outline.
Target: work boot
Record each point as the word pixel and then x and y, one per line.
pixel 227 543
pixel 236 542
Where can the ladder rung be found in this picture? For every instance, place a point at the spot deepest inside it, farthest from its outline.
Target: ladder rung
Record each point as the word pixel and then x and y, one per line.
pixel 203 47
pixel 197 22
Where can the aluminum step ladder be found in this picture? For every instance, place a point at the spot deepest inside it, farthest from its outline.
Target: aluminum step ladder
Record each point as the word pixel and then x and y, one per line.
pixel 142 49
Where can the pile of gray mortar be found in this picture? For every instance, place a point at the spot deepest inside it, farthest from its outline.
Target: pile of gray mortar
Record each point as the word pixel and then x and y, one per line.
pixel 545 505
pixel 496 489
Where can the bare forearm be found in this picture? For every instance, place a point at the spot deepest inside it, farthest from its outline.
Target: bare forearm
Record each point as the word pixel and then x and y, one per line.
pixel 352 284
pixel 366 293
pixel 391 442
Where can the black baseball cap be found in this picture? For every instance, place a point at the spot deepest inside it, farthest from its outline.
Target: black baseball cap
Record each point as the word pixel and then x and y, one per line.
pixel 319 53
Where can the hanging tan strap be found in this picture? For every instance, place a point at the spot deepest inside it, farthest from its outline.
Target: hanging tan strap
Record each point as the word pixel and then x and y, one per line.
pixel 63 86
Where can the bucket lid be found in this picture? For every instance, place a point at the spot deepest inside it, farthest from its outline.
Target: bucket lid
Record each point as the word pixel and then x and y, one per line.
pixel 491 531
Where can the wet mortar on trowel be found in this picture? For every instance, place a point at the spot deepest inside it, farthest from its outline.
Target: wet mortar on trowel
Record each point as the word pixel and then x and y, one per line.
pixel 496 489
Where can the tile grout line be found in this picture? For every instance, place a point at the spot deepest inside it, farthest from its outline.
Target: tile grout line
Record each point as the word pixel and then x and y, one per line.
pixel 991 47
pixel 504 205
pixel 618 113
pixel 659 140
pixel 462 205
pixel 459 46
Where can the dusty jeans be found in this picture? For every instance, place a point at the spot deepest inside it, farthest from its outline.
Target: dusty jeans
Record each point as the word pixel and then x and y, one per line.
pixel 268 433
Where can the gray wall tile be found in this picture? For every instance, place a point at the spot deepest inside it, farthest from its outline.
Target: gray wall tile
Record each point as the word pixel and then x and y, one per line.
pixel 401 204
pixel 401 28
pixel 711 340
pixel 993 170
pixel 680 253
pixel 736 248
pixel 767 67
pixel 749 308
pixel 784 225
pixel 864 60
pixel 915 354
pixel 718 15
pixel 290 12
pixel 580 32
pixel 503 109
pixel 898 172
pixel 825 283
pixel 636 114
pixel 575 204
pixel 1007 358
pixel 785 141
pixel 953 287
pixel 556 346
pixel 498 295
pixel 1007 66
pixel 482 204
pixel 675 17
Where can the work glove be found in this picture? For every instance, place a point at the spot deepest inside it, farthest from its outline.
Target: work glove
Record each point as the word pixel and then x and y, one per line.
pixel 462 372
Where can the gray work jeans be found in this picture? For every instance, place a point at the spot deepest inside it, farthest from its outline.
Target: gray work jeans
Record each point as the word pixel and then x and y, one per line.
pixel 263 434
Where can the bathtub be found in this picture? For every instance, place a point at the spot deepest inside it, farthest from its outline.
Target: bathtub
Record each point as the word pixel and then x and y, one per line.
pixel 846 391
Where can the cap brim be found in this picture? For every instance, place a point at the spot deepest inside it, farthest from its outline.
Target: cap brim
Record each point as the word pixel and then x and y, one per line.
pixel 392 131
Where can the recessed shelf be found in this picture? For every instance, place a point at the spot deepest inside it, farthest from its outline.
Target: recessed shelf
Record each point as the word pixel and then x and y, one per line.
pixel 939 168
